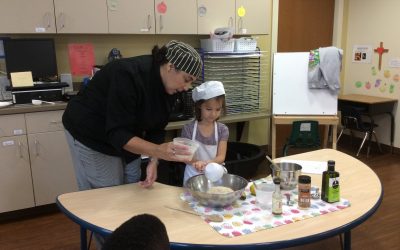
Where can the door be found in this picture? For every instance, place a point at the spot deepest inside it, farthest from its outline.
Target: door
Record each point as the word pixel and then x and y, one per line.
pixel 303 25
pixel 253 16
pixel 212 14
pixel 52 169
pixel 21 16
pixel 176 17
pixel 81 16
pixel 16 190
pixel 131 17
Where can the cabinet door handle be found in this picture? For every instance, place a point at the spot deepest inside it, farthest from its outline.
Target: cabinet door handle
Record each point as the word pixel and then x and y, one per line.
pixel 36 147
pixel 240 25
pixel 230 22
pixel 47 19
pixel 161 23
pixel 61 18
pixel 149 22
pixel 20 150
pixel 55 122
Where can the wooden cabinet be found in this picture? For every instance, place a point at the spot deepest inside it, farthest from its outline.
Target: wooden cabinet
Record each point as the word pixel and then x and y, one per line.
pixel 16 191
pixel 81 16
pixel 253 16
pixel 24 16
pixel 51 163
pixel 131 17
pixel 214 14
pixel 176 16
pixel 135 16
pixel 35 165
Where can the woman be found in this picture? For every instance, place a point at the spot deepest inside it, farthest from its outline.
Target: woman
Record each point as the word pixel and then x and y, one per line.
pixel 122 112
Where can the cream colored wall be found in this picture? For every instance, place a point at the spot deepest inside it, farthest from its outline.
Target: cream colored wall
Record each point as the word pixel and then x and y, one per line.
pixel 129 45
pixel 369 23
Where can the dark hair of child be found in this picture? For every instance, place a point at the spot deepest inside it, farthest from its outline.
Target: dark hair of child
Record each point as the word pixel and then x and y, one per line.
pixel 141 232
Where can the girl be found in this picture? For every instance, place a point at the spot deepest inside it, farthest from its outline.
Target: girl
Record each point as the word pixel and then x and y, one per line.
pixel 212 136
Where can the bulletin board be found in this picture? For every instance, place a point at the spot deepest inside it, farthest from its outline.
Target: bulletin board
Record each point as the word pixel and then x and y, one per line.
pixel 291 95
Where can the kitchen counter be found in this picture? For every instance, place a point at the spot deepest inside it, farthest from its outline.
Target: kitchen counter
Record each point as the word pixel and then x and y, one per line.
pixel 29 108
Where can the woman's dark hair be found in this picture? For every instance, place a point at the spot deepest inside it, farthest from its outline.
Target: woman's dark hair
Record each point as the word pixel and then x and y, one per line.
pixel 197 106
pixel 159 55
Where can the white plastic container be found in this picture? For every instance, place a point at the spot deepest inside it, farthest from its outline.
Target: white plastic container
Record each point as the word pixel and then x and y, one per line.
pixel 186 142
pixel 217 45
pixel 245 44
pixel 264 194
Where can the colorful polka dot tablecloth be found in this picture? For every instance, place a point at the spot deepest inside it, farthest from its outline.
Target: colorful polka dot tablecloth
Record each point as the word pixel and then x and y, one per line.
pixel 246 216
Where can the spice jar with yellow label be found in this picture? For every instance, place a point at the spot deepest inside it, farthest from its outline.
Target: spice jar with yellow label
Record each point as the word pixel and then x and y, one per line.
pixel 304 191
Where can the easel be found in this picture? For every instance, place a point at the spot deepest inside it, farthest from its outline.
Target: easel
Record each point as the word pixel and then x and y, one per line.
pixel 328 120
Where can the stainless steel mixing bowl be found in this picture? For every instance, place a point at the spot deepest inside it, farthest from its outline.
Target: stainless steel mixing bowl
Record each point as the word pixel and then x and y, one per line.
pixel 288 173
pixel 198 186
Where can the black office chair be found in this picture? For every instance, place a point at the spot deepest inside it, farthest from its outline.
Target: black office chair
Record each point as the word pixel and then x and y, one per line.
pixel 351 119
pixel 305 134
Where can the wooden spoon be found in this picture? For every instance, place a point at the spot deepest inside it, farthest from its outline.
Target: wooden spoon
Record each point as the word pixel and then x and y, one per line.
pixel 210 217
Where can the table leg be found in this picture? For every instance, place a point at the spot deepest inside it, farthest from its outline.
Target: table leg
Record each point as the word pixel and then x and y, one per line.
pixel 83 239
pixel 347 240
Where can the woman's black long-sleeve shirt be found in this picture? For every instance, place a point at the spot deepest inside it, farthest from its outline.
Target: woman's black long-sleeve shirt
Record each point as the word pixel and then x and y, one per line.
pixel 126 98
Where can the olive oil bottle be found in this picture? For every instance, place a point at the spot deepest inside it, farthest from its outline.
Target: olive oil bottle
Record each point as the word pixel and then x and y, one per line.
pixel 325 179
pixel 330 185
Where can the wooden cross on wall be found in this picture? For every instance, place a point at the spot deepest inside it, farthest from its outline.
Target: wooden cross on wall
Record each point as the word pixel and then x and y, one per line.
pixel 380 50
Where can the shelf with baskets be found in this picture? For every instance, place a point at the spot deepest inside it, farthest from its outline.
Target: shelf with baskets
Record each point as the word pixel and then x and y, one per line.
pixel 243 75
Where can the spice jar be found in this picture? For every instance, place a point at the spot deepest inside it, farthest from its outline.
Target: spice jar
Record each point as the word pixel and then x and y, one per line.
pixel 304 191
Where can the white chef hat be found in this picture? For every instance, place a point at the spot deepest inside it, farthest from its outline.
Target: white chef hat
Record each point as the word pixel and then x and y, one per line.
pixel 208 90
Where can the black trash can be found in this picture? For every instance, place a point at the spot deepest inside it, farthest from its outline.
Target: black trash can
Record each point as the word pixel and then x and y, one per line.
pixel 243 159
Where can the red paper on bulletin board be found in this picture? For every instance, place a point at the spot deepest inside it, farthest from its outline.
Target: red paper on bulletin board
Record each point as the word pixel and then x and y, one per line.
pixel 81 58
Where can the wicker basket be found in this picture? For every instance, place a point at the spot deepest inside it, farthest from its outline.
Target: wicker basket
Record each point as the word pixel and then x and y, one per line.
pixel 217 45
pixel 245 44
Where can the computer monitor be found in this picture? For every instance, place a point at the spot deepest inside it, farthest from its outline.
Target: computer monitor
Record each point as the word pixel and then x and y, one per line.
pixel 34 54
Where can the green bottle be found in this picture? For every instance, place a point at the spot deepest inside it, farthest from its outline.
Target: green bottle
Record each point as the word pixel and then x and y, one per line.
pixel 325 179
pixel 332 186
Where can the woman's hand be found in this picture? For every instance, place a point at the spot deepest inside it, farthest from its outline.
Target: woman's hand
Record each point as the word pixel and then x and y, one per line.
pixel 151 173
pixel 172 152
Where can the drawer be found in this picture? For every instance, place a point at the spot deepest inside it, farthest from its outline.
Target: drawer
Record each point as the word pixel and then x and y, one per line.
pixel 40 122
pixel 11 125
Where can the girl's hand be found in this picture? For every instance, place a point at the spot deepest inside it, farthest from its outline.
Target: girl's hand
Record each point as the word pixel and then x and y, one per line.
pixel 199 165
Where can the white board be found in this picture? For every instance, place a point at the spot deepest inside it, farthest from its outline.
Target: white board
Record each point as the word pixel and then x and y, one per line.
pixel 291 95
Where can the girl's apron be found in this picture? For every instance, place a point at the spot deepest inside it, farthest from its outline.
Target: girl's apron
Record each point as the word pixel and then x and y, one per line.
pixel 203 153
